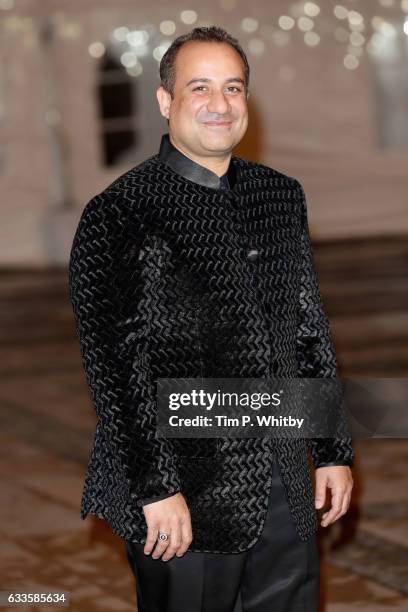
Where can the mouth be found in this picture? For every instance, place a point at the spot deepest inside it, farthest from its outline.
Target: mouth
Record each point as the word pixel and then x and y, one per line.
pixel 218 124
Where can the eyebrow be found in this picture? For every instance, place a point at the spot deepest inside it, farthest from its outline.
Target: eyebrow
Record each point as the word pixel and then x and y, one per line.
pixel 206 80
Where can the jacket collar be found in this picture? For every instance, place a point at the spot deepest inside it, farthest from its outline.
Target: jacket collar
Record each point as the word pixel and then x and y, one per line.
pixel 193 171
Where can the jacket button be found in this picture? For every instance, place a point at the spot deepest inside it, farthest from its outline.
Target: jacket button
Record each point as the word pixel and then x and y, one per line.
pixel 252 254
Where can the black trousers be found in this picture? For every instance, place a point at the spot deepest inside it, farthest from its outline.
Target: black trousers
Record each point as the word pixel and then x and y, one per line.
pixel 279 573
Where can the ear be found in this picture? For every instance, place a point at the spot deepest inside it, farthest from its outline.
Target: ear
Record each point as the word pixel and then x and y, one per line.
pixel 164 99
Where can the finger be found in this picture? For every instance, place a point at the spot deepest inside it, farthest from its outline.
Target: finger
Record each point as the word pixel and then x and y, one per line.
pixel 161 545
pixel 152 533
pixel 334 512
pixel 186 537
pixel 320 495
pixel 346 503
pixel 175 541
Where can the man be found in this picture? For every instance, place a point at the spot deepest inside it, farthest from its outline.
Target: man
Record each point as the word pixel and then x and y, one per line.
pixel 197 263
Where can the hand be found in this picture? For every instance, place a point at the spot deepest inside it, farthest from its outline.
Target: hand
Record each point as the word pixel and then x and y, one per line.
pixel 339 480
pixel 172 516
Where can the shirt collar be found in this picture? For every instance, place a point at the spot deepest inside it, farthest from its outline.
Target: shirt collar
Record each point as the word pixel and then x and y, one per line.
pixel 193 171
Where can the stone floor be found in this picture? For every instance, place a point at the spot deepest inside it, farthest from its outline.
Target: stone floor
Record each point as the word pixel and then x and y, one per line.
pixel 47 424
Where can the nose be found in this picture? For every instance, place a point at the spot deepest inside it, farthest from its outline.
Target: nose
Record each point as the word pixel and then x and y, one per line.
pixel 218 103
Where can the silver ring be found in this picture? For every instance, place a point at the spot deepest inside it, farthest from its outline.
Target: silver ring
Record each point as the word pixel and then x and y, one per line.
pixel 163 536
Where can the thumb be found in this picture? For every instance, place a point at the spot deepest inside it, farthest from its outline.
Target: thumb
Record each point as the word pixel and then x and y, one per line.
pixel 320 496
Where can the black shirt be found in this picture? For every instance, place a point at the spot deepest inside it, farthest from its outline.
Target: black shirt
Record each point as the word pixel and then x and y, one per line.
pixel 192 170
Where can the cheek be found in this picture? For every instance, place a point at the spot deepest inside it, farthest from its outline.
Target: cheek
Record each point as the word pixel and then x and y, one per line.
pixel 188 109
pixel 243 108
pixel 242 114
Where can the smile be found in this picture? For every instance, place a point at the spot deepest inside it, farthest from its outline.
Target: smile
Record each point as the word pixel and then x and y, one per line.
pixel 218 124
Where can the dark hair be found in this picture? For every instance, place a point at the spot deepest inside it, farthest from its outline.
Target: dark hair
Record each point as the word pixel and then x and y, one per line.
pixel 211 34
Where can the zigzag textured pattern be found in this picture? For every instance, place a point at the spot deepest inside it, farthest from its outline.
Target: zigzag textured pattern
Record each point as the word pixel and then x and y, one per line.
pixel 162 286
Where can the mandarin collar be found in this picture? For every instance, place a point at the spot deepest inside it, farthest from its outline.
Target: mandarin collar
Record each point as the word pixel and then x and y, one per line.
pixel 190 169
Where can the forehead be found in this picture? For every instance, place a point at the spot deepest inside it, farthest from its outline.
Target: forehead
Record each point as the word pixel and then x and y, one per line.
pixel 208 60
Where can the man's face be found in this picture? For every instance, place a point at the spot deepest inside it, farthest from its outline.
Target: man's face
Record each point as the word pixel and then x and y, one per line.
pixel 208 115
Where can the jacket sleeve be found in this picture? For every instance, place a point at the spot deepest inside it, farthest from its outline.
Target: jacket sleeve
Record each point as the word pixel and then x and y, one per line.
pixel 110 286
pixel 315 350
pixel 152 500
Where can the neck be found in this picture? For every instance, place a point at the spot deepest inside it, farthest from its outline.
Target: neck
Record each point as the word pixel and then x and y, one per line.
pixel 219 165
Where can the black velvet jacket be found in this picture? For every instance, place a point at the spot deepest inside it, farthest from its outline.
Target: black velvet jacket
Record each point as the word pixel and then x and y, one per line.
pixel 172 276
pixel 185 166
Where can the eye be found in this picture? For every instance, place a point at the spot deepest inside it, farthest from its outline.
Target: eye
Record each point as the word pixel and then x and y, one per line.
pixel 235 87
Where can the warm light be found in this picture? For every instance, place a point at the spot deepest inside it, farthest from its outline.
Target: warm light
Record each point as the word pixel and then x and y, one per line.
pixel 385 27
pixel 311 38
pixel 305 24
pixel 96 49
pixel 249 24
pixel 355 18
pixel 188 17
pixel 357 27
pixel 406 27
pixel 159 51
pixel 135 71
pixel 128 59
pixel 351 62
pixel 357 39
pixel 340 11
pixel 70 30
pixel 167 27
pixel 137 37
pixel 121 33
pixel 286 23
pixel 311 9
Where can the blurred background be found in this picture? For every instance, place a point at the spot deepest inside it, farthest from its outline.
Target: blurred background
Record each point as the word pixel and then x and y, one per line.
pixel 329 106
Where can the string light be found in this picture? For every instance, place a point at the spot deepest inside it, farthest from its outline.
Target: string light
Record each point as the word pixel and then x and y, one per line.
pixel 167 27
pixel 340 11
pixel 96 49
pixel 133 44
pixel 305 24
pixel 351 62
pixel 311 39
pixel 249 24
pixel 121 33
pixel 311 9
pixel 286 23
pixel 188 17
pixel 256 46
